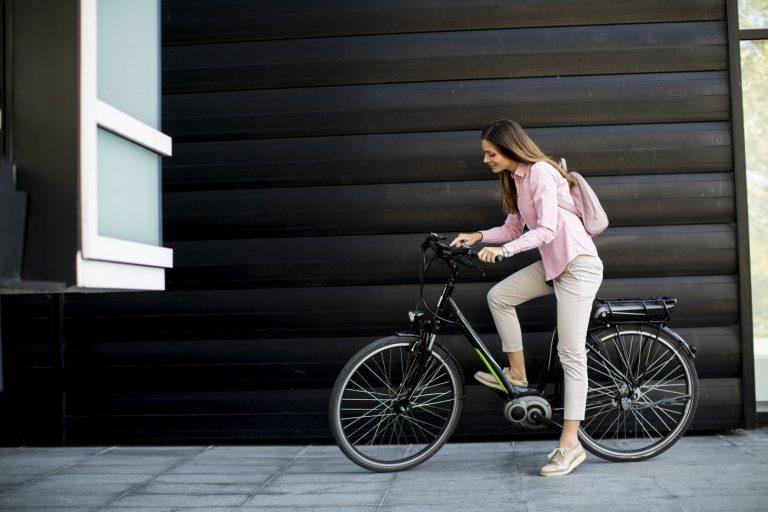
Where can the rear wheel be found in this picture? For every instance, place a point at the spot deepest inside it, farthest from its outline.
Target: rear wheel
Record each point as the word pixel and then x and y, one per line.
pixel 642 393
pixel 391 408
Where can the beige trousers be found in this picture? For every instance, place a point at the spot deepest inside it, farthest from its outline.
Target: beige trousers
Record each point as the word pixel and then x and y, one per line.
pixel 575 290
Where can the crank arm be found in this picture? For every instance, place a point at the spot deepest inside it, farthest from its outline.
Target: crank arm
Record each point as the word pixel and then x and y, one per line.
pixel 547 422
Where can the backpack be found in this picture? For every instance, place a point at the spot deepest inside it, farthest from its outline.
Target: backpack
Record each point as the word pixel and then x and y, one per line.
pixel 588 206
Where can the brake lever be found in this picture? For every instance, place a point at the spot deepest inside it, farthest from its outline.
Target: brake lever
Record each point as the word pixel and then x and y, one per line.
pixel 472 265
pixel 466 260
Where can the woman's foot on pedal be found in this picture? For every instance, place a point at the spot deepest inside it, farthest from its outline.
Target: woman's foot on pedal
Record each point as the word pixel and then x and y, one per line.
pixel 563 461
pixel 487 379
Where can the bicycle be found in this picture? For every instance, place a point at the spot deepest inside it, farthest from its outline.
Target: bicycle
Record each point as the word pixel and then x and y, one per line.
pixel 398 399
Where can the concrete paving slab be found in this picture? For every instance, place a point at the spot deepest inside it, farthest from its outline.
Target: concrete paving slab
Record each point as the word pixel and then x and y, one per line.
pixel 140 501
pixel 612 503
pixel 13 479
pixel 311 500
pixel 44 486
pixel 73 479
pixel 131 460
pixel 116 508
pixel 208 478
pixel 102 469
pixel 466 499
pixel 191 489
pixel 314 488
pixel 17 501
pixel 505 507
pixel 724 471
pixel 335 478
pixel 730 502
pixel 223 469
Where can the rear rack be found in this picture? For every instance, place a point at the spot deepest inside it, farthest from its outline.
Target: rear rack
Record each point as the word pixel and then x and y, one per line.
pixel 646 309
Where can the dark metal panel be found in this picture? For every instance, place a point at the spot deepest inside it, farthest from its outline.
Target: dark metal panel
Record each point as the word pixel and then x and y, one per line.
pixel 443 106
pixel 721 404
pixel 26 330
pixel 719 408
pixel 425 207
pixel 44 133
pixel 2 377
pixel 202 21
pixel 561 51
pixel 705 301
pixel 302 414
pixel 718 350
pixel 344 167
pixel 387 259
pixel 234 388
pixel 223 363
pixel 275 415
pixel 441 156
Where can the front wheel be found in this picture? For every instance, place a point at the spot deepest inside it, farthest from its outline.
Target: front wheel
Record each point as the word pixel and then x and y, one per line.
pixel 392 408
pixel 642 392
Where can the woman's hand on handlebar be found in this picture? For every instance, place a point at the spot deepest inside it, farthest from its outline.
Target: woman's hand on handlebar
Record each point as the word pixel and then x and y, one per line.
pixel 467 239
pixel 490 254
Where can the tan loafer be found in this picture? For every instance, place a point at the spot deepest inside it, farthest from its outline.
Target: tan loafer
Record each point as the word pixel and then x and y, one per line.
pixel 487 379
pixel 562 461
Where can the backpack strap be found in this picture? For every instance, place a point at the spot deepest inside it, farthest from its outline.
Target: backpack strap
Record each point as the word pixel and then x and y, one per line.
pixel 562 204
pixel 568 207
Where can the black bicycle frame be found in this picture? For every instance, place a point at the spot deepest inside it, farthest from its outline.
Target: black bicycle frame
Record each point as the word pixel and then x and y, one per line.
pixel 448 312
pixel 447 309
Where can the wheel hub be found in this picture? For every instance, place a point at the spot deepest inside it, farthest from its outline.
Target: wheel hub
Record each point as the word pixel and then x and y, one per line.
pixel 402 407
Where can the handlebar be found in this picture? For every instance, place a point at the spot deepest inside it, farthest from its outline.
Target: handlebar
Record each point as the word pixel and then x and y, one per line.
pixel 452 256
pixel 447 252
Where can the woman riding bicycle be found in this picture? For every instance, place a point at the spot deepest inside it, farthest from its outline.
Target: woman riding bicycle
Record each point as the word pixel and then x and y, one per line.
pixel 531 185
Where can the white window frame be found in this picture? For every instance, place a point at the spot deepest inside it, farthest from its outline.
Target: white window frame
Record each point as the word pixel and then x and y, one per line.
pixel 95 114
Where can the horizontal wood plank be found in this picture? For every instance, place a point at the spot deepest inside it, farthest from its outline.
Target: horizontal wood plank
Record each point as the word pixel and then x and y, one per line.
pixel 441 156
pixel 390 259
pixel 314 145
pixel 203 21
pixel 446 106
pixel 418 57
pixel 705 301
pixel 268 417
pixel 426 207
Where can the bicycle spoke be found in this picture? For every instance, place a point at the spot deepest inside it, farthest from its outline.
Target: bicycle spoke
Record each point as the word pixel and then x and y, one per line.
pixel 375 419
pixel 635 415
pixel 621 353
pixel 611 374
pixel 397 404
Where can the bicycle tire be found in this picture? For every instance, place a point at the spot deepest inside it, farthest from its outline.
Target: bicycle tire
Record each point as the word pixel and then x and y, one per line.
pixel 633 374
pixel 372 422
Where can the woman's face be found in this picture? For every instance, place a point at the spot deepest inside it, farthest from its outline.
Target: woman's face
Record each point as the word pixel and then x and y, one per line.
pixel 494 159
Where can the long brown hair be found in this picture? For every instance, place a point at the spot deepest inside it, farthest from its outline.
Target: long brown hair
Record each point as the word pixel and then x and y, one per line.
pixel 512 142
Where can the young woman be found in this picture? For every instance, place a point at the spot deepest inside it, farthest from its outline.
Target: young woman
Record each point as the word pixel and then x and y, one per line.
pixel 531 185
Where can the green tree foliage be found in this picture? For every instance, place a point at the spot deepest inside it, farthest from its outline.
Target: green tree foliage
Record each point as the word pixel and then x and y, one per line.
pixel 754 65
pixel 753 14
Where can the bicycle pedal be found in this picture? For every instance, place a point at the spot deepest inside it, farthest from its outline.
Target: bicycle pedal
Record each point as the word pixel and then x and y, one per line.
pixel 520 392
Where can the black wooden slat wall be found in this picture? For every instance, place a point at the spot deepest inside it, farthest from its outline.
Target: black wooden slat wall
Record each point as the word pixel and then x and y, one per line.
pixel 314 145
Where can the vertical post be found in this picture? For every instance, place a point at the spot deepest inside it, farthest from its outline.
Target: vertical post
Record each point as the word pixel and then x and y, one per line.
pixel 1 345
pixel 742 218
pixel 3 103
pixel 58 387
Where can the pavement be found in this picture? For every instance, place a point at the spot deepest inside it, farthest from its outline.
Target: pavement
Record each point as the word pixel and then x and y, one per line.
pixel 724 471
